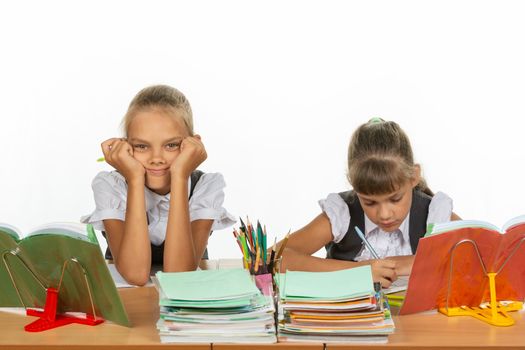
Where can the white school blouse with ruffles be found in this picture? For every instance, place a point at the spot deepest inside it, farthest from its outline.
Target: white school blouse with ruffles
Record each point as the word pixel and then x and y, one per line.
pixel 385 244
pixel 110 191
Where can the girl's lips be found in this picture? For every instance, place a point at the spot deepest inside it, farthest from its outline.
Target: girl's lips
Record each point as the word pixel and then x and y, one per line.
pixel 388 224
pixel 157 172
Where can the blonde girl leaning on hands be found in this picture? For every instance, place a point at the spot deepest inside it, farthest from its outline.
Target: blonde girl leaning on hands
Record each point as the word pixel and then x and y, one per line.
pixel 156 207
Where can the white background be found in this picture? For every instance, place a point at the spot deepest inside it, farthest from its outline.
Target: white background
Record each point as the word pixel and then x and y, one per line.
pixel 277 88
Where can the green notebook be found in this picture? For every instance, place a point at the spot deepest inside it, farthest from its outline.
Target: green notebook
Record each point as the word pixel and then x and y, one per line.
pixel 44 250
pixel 207 285
pixel 336 285
pixel 444 227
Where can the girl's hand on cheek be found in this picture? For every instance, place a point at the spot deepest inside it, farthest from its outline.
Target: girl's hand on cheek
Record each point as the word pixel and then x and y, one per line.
pixel 119 154
pixel 191 154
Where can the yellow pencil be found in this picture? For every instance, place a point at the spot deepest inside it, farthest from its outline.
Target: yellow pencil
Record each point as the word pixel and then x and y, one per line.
pixel 394 303
pixel 257 259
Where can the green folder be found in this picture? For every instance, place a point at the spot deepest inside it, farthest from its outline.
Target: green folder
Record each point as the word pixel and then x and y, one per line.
pixel 44 252
pixel 207 285
pixel 336 285
pixel 237 304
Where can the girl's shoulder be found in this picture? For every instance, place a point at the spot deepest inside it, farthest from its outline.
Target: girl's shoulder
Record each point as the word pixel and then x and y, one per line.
pixel 440 208
pixel 210 181
pixel 441 199
pixel 109 180
pixel 335 206
pixel 210 177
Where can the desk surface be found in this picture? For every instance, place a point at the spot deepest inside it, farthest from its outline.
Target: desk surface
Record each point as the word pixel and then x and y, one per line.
pixel 421 330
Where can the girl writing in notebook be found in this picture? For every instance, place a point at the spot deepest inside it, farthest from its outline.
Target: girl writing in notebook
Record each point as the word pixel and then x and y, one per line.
pixel 156 207
pixel 390 203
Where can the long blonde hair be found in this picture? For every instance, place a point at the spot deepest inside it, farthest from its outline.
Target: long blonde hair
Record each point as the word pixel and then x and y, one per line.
pixel 160 96
pixel 380 159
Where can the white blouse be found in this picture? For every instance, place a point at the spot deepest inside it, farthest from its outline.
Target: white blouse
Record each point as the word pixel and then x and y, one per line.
pixel 110 191
pixel 385 243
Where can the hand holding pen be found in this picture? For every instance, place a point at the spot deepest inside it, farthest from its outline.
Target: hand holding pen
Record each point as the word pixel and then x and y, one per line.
pixel 383 270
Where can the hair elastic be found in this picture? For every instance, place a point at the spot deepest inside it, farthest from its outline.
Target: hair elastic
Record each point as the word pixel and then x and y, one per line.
pixel 375 120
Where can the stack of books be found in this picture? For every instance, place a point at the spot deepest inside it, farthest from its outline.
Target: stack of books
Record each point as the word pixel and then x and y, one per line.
pixel 339 306
pixel 213 306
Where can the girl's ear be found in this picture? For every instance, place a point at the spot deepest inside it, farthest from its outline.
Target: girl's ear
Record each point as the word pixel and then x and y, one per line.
pixel 417 175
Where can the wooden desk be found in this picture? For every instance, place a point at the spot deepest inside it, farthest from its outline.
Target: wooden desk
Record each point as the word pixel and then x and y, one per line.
pixel 143 311
pixel 142 305
pixel 430 331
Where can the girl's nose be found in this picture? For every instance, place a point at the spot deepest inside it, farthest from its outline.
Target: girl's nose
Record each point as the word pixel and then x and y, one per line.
pixel 384 212
pixel 157 157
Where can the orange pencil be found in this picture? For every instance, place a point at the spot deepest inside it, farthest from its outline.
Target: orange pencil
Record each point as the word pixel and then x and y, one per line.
pixel 283 244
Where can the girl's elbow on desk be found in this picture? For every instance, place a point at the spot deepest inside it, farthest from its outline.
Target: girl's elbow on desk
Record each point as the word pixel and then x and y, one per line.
pixel 138 281
pixel 134 277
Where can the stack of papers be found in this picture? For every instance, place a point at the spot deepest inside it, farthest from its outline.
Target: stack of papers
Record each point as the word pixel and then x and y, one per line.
pixel 339 306
pixel 213 306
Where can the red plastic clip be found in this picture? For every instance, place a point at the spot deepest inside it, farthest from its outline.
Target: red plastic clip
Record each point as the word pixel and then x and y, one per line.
pixel 49 318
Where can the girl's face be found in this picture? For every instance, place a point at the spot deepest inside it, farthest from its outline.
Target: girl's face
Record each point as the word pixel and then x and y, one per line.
pixel 155 135
pixel 388 211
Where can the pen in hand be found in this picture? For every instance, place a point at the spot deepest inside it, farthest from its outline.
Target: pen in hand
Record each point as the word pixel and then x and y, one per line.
pixel 365 241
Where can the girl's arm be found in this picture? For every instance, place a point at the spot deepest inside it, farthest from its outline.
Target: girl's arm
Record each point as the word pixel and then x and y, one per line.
pixel 185 242
pixel 314 236
pixel 129 241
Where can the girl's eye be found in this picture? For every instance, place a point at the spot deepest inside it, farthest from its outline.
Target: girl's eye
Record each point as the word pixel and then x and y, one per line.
pixel 172 146
pixel 140 147
pixel 395 200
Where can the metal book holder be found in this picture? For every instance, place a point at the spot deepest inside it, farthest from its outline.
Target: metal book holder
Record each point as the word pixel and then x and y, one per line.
pixel 494 312
pixel 48 317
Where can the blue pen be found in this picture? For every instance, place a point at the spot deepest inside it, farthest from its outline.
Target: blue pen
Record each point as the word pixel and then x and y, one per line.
pixel 368 245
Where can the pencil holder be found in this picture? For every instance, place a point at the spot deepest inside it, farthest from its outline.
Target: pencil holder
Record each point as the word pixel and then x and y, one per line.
pixel 263 263
pixel 253 245
pixel 265 283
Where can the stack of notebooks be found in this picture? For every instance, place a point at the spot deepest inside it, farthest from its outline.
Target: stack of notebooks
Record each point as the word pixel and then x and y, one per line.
pixel 339 306
pixel 213 306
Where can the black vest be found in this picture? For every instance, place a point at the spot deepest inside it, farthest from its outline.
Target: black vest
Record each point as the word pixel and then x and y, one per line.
pixel 157 251
pixel 351 244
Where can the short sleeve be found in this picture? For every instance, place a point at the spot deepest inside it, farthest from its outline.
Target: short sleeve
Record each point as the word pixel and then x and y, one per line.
pixel 440 209
pixel 337 211
pixel 110 193
pixel 207 201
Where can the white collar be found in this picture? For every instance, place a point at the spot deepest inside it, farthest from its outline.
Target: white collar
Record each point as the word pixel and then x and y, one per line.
pixel 154 199
pixel 403 228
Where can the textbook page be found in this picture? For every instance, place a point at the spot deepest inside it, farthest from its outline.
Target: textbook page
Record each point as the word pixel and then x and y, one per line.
pixel 70 229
